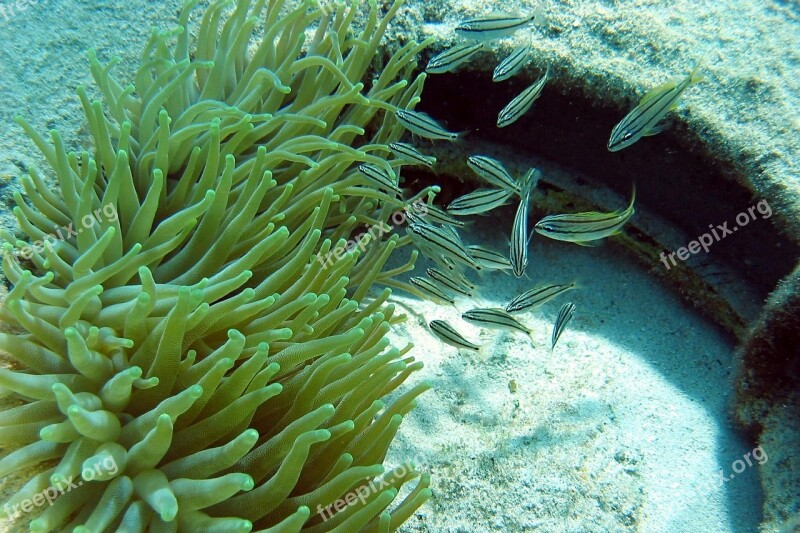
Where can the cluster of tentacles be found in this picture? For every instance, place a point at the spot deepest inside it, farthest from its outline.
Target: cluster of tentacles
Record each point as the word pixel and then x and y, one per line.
pixel 180 351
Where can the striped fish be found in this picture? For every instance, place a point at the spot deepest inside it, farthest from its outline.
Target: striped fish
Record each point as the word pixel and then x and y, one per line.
pixel 442 242
pixel 564 316
pixel 410 154
pixel 496 26
pixel 536 297
pixel 522 103
pixel 512 64
pixel 479 201
pixel 462 279
pixel 457 273
pixel 451 266
pixel 492 318
pixel 493 172
pixel 380 176
pixel 442 261
pixel 437 215
pixel 431 290
pixel 581 228
pixel 432 254
pixel 453 233
pixel 489 258
pixel 414 216
pixel 531 179
pixel 448 335
pixel 644 118
pixel 450 59
pixel 520 238
pixel 448 282
pixel 423 125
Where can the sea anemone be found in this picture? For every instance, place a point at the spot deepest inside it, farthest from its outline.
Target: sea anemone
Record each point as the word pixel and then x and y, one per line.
pixel 180 358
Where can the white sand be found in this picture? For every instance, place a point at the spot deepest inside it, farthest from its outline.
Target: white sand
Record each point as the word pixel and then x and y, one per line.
pixel 622 428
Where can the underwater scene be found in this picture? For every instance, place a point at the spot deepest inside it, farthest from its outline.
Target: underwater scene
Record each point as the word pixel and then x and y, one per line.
pixel 400 265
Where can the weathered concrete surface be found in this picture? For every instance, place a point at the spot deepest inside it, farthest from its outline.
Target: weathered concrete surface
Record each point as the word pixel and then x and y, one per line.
pixel 747 110
pixel 768 400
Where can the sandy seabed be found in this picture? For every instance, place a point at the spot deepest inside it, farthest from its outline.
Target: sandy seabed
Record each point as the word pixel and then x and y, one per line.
pixel 623 427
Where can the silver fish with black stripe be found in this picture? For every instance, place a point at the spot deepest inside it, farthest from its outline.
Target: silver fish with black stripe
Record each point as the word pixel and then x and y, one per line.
pixel 380 176
pixel 450 59
pixel 410 154
pixel 564 316
pixel 448 335
pixel 448 282
pixel 437 215
pixel 431 290
pixel 493 172
pixel 489 258
pixel 479 201
pixel 494 318
pixel 457 273
pixel 497 25
pixel 643 120
pixel 536 296
pixel 444 243
pixel 518 255
pixel 424 125
pixel 582 228
pixel 512 64
pixel 522 103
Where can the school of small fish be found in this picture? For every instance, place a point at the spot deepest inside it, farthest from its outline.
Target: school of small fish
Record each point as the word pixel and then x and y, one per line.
pixel 492 27
pixel 435 233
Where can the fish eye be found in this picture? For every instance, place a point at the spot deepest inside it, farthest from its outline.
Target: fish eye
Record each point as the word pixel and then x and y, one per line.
pixel 627 136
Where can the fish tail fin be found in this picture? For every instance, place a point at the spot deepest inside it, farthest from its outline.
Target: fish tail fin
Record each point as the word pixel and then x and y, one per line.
pixel 484 351
pixel 697 73
pixel 630 209
pixel 530 180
